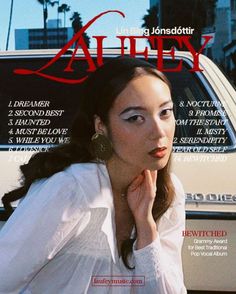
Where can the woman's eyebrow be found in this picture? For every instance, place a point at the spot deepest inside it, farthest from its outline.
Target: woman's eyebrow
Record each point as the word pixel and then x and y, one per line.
pixel 141 108
pixel 132 108
pixel 166 102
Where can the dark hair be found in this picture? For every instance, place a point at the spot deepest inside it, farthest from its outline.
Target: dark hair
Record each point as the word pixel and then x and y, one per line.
pixel 100 91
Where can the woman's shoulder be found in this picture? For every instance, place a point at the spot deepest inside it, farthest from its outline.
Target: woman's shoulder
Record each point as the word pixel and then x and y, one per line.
pixel 79 169
pixel 85 173
pixel 94 182
pixel 54 188
pixel 59 193
pixel 54 182
pixel 70 176
pixel 62 186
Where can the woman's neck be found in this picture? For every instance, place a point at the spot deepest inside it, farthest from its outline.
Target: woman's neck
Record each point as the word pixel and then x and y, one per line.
pixel 121 174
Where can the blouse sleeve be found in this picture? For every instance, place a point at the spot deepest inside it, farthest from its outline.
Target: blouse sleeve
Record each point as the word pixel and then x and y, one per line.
pixel 160 262
pixel 40 226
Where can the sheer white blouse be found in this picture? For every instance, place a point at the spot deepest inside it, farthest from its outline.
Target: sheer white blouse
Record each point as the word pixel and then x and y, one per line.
pixel 61 240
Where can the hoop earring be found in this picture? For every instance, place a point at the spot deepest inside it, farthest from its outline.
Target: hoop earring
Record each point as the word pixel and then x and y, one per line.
pixel 101 147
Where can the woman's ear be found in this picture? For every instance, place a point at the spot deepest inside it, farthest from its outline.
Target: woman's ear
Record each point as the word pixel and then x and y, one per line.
pixel 99 125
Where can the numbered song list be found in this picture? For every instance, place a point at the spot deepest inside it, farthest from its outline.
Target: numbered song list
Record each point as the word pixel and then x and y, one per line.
pixel 33 122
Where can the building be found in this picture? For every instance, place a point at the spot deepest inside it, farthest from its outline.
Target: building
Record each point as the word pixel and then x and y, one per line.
pixel 229 51
pixel 223 29
pixel 56 37
pixel 233 19
pixel 154 2
pixel 230 47
pixel 220 23
pixel 178 14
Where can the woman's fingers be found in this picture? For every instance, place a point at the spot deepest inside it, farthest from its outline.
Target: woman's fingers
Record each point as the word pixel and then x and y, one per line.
pixel 154 174
pixel 151 177
pixel 141 194
pixel 148 178
pixel 136 182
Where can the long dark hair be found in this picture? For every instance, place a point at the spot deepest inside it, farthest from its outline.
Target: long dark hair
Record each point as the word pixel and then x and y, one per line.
pixel 99 94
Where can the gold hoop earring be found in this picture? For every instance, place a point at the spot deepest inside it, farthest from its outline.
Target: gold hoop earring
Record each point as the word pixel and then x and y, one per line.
pixel 101 147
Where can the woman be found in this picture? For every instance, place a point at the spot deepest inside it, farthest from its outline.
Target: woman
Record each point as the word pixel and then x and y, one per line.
pixel 102 214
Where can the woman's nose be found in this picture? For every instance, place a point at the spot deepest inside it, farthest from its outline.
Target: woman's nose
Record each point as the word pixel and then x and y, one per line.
pixel 156 130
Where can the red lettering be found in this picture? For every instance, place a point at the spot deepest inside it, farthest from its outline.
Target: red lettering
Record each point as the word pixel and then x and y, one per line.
pixel 79 42
pixel 133 49
pixel 77 37
pixel 99 49
pixel 194 53
pixel 160 52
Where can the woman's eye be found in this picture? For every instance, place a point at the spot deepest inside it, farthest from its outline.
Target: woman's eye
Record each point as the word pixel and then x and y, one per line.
pixel 167 112
pixel 135 118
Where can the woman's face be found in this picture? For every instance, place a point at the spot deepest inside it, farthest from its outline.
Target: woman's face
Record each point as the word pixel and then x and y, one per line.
pixel 142 124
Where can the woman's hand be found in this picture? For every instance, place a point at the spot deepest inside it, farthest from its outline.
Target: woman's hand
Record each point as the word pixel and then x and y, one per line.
pixel 140 196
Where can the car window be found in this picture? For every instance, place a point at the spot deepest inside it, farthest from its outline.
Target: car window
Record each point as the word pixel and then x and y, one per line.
pixel 33 107
pixel 202 124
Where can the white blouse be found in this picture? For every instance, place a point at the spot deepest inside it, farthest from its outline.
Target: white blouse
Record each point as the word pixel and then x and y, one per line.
pixel 61 240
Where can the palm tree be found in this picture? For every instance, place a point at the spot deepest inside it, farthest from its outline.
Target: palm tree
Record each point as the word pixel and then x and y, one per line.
pixel 64 8
pixel 45 4
pixel 77 24
pixel 9 25
pixel 151 20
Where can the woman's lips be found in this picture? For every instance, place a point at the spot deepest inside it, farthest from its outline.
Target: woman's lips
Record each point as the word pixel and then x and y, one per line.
pixel 158 152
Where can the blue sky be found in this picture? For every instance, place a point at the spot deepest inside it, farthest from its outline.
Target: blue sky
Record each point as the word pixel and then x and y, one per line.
pixel 28 14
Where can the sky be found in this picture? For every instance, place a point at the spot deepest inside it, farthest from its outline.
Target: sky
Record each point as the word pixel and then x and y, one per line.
pixel 29 14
